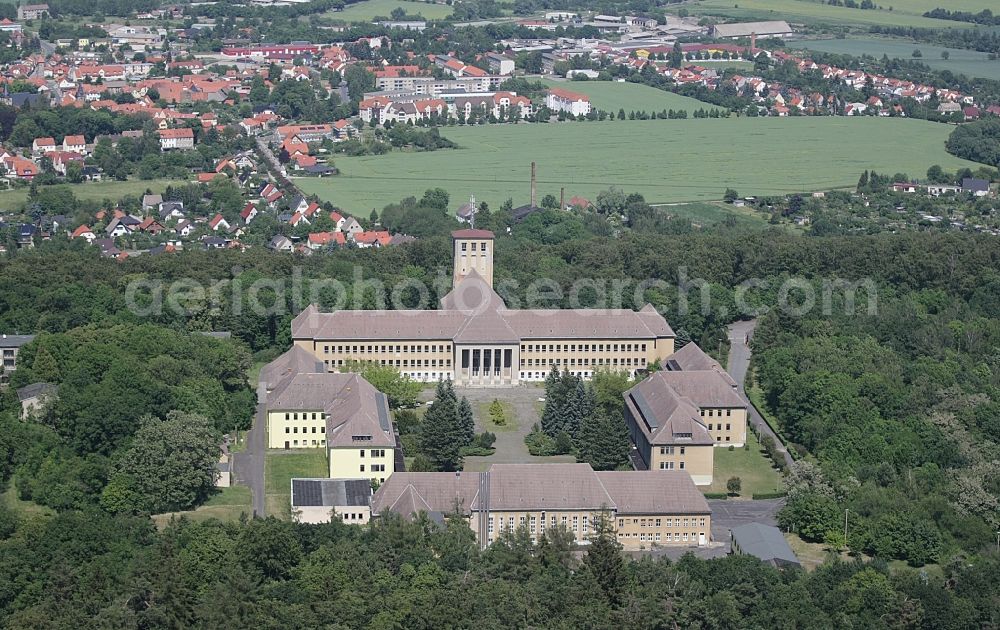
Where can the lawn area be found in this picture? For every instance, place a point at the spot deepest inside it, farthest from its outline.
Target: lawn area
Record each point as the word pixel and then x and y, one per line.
pixel 367 11
pixel 279 469
pixel 703 213
pixel 665 160
pixel 482 412
pixel 226 505
pixel 968 62
pixel 95 191
pixel 818 12
pixel 23 508
pixel 612 96
pixel 752 467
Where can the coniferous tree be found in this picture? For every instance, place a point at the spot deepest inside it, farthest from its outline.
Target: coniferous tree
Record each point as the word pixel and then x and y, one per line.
pixel 554 402
pixel 468 424
pixel 442 433
pixel 604 558
pixel 603 441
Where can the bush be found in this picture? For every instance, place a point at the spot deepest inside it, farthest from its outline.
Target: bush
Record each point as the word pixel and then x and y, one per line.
pixel 759 496
pixel 731 448
pixel 734 485
pixel 716 495
pixel 539 444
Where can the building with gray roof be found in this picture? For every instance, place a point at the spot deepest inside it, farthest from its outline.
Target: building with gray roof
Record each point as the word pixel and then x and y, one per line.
pixel 765 543
pixel 320 500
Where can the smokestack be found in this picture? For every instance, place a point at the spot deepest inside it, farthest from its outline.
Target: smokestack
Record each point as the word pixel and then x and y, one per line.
pixel 753 43
pixel 534 192
pixel 562 198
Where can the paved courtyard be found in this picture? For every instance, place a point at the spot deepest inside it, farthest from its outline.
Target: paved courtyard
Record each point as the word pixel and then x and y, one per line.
pixel 510 446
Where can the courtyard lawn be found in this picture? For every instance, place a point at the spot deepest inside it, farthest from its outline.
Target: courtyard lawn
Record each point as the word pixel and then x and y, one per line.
pixel 968 62
pixel 612 96
pixel 368 10
pixel 818 12
pixel 279 469
pixel 482 413
pixel 93 191
pixel 752 467
pixel 228 504
pixel 668 161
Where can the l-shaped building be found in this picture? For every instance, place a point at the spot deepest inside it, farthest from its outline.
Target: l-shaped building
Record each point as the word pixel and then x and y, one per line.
pixel 475 340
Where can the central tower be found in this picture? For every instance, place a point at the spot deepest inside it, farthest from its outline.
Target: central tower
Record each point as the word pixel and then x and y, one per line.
pixel 473 251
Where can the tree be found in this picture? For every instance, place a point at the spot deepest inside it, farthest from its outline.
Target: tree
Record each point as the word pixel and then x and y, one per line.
pixel 604 559
pixel 917 54
pixel 169 466
pixel 496 413
pixel 550 202
pixel 945 54
pixel 443 432
pixel 734 485
pixel 468 423
pixel 397 387
pixel 602 441
pixel 730 196
pixel 811 515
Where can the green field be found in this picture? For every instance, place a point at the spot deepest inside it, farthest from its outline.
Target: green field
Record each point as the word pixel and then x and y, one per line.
pixel 366 11
pixel 228 504
pixel 702 213
pixel 94 191
pixel 752 467
pixel 665 160
pixel 969 62
pixel 612 96
pixel 817 12
pixel 482 412
pixel 279 469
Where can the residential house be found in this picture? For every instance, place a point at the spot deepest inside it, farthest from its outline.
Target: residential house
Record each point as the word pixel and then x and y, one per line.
pixel 171 139
pixel 75 144
pixel 319 240
pixel 184 228
pixel 10 345
pixel 83 232
pixel 35 397
pixel 280 243
pixel 248 213
pixel 41 146
pixel 120 226
pixel 977 187
pixel 171 210
pixel 217 223
pixel 573 103
pixel 151 201
pixel 32 11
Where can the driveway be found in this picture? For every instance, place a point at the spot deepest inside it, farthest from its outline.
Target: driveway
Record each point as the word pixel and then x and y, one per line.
pixel 248 465
pixel 510 446
pixel 740 334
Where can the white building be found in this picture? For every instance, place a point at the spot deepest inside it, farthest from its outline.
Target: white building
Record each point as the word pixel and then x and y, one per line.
pixel 560 100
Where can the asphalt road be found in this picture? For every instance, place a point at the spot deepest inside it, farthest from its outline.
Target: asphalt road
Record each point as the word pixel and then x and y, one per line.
pixel 248 465
pixel 740 334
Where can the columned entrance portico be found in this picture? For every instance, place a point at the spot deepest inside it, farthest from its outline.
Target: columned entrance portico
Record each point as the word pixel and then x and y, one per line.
pixel 486 365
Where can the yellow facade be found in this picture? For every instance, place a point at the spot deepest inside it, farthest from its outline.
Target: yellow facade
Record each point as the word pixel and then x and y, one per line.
pixel 473 254
pixel 728 427
pixel 296 429
pixel 633 530
pixel 697 461
pixel 354 463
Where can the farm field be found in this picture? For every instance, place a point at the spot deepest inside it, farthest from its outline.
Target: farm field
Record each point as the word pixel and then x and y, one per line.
pixel 665 160
pixel 93 191
pixel 817 12
pixel 612 96
pixel 968 62
pixel 366 11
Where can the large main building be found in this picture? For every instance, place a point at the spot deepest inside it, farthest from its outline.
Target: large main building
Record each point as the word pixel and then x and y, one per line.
pixel 475 340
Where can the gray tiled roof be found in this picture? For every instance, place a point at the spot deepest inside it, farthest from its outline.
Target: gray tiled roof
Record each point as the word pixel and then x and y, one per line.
pixel 664 416
pixel 484 318
pixel 764 542
pixel 331 492
pixel 536 487
pixel 15 341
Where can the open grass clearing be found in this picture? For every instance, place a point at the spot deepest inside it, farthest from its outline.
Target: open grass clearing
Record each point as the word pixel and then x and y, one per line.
pixel 667 161
pixel 482 412
pixel 110 190
pixel 279 469
pixel 227 504
pixel 960 61
pixel 23 508
pixel 819 13
pixel 754 469
pixel 705 213
pixel 611 96
pixel 370 9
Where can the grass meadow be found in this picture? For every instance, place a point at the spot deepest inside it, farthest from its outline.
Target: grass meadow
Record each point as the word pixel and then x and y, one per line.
pixel 366 11
pixel 94 191
pixel 665 160
pixel 611 96
pixel 279 469
pixel 818 12
pixel 969 62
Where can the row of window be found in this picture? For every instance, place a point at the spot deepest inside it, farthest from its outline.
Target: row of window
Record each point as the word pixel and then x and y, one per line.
pixel 670 450
pixel 655 522
pixel 400 349
pixel 304 429
pixel 373 468
pixel 629 361
pixel 306 443
pixel 306 415
pixel 670 466
pixel 718 427
pixel 400 363
pixel 585 347
pixel 711 413
pixel 352 516
pixel 482 246
pixel 577 524
pixel 655 536
pixel 375 452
